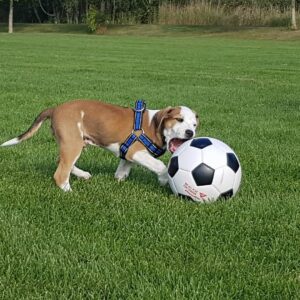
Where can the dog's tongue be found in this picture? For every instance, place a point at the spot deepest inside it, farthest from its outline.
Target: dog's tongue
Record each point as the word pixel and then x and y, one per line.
pixel 174 144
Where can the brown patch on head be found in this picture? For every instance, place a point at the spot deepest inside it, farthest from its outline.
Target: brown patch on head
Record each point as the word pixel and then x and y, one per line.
pixel 166 118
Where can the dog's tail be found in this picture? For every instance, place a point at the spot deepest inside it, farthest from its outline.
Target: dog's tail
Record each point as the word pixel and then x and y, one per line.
pixel 46 114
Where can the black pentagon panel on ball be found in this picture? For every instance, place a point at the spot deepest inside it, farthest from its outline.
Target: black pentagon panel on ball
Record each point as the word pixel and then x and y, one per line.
pixel 226 195
pixel 203 174
pixel 173 167
pixel 232 162
pixel 201 143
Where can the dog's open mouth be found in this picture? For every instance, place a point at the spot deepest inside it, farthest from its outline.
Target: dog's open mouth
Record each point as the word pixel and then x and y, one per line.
pixel 175 143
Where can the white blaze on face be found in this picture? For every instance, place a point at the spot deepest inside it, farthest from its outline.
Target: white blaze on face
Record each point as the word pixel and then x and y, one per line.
pixel 179 129
pixel 189 117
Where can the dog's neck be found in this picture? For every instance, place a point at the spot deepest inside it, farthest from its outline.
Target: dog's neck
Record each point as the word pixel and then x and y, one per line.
pixel 157 127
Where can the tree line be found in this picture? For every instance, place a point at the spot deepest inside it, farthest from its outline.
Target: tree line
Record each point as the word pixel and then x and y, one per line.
pixel 113 11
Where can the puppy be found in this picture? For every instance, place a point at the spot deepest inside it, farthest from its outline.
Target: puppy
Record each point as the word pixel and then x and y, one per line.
pixel 79 123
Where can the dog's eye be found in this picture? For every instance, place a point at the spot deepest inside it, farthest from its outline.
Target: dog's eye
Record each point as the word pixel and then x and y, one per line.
pixel 180 120
pixel 195 125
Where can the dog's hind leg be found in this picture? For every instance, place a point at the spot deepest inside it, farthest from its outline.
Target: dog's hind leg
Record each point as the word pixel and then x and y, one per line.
pixel 69 154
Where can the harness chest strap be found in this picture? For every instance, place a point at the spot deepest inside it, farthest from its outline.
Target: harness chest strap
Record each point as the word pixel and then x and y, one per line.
pixel 155 151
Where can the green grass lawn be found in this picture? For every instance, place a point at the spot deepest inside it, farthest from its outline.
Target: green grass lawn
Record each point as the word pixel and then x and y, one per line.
pixel 135 240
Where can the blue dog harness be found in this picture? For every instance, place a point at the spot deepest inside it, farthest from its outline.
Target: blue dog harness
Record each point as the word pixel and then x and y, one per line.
pixel 140 107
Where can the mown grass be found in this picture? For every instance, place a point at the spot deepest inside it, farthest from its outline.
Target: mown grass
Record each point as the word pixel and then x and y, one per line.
pixel 135 240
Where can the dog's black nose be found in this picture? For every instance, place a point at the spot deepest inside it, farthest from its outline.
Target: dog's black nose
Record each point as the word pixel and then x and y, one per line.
pixel 189 133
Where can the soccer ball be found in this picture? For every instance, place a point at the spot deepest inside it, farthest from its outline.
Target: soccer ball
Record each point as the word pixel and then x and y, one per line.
pixel 204 169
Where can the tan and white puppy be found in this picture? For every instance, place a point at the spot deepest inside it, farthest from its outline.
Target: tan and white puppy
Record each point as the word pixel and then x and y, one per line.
pixel 79 123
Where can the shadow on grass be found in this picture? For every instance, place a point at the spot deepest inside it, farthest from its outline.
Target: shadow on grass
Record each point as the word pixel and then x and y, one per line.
pixel 154 30
pixel 269 33
pixel 106 170
pixel 138 175
pixel 170 30
pixel 46 28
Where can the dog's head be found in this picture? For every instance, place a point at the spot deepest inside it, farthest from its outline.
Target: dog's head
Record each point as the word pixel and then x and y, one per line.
pixel 176 125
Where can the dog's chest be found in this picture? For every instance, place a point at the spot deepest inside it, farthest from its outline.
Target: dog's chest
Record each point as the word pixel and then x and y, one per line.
pixel 114 148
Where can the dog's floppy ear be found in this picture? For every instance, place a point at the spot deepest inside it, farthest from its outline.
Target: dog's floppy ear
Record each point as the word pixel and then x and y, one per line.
pixel 162 115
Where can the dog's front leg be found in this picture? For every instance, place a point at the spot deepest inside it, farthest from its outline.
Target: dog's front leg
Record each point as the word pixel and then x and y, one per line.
pixel 123 170
pixel 158 167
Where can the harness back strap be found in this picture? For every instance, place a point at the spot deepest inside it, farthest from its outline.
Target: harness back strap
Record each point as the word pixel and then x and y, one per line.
pixel 139 109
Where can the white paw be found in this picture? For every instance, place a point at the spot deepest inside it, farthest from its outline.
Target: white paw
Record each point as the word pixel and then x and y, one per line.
pixel 80 173
pixel 85 175
pixel 121 176
pixel 163 179
pixel 66 187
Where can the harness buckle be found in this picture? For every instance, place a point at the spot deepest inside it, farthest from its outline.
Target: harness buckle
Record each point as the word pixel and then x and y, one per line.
pixel 139 110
